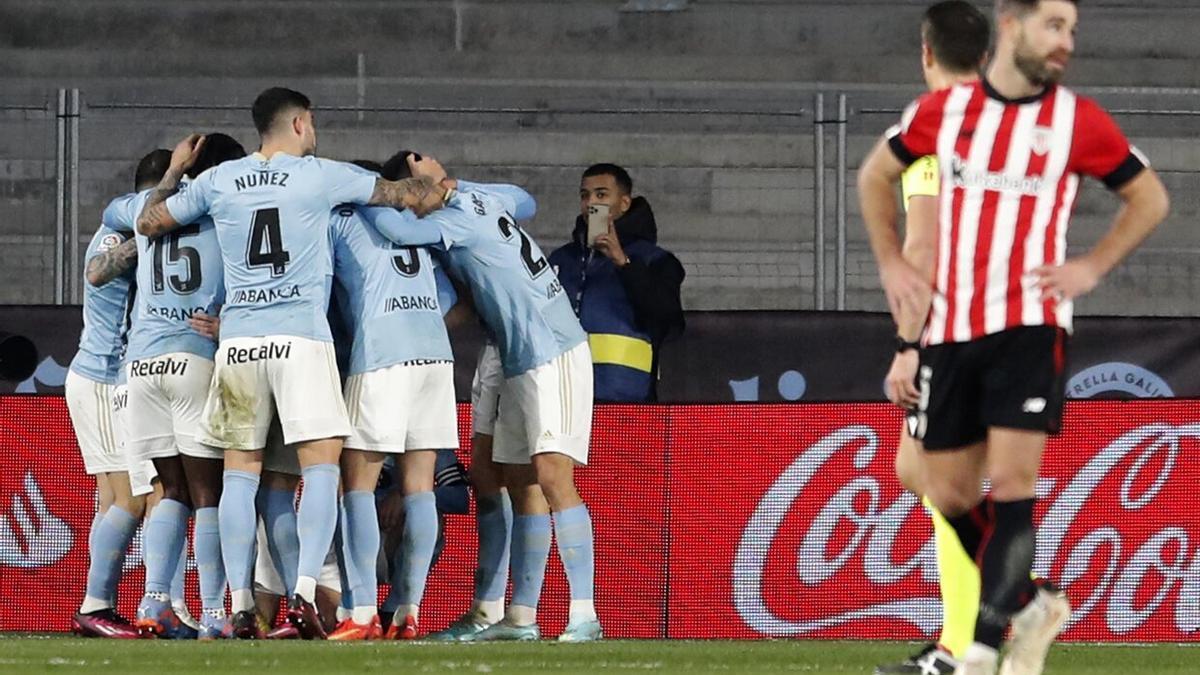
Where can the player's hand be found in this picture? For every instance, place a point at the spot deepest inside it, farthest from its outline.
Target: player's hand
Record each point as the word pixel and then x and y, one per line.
pixel 427 166
pixel 1067 281
pixel 183 157
pixel 610 245
pixel 424 198
pixel 391 511
pixel 900 383
pixel 206 325
pixel 904 286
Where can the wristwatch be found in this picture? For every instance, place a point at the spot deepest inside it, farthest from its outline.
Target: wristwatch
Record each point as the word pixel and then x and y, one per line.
pixel 903 345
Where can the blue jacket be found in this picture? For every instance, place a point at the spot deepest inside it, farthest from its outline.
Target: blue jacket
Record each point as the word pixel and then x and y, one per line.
pixel 627 312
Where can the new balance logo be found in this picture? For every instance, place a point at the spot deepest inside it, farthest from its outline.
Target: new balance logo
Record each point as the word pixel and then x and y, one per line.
pixel 1034 405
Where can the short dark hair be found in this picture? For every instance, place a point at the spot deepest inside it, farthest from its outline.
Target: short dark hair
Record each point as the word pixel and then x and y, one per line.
pixel 1021 6
pixel 368 164
pixel 621 176
pixel 396 168
pixel 273 102
pixel 957 33
pixel 151 168
pixel 217 148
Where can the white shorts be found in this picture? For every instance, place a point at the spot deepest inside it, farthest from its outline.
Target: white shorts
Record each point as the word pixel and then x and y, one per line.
pixel 168 392
pixel 547 409
pixel 485 390
pixel 257 376
pixel 278 456
pixel 267 580
pixel 403 407
pixel 141 471
pixel 90 405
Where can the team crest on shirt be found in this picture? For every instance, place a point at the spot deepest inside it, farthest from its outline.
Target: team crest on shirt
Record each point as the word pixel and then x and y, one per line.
pixel 1042 137
pixel 109 242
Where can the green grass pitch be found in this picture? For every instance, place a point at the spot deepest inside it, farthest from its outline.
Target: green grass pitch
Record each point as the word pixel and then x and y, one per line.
pixel 42 654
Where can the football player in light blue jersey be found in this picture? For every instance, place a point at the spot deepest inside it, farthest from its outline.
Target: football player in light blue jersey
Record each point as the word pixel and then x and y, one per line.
pixel 545 404
pixel 90 380
pixel 400 394
pixel 170 367
pixel 271 212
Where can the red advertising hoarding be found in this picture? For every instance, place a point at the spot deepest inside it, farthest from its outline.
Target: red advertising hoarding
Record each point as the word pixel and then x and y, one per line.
pixel 744 521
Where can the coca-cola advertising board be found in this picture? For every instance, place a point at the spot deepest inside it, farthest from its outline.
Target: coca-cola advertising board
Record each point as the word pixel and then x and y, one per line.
pixel 744 521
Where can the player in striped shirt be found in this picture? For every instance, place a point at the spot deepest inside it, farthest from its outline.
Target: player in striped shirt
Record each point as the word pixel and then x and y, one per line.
pixel 1011 148
pixel 954 47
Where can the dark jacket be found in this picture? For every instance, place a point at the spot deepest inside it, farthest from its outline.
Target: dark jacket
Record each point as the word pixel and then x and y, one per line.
pixel 627 312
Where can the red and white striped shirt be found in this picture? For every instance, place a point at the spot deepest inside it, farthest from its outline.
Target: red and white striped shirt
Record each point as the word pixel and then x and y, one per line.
pixel 1009 177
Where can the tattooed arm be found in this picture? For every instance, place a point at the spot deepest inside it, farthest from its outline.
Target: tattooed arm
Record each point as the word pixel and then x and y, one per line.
pixel 420 194
pixel 155 219
pixel 111 264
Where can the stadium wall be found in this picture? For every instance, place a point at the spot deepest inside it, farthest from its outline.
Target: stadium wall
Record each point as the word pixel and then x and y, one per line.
pixel 728 357
pixel 736 521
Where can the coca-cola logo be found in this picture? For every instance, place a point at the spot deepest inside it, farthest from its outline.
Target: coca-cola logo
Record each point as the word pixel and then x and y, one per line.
pixel 1085 539
pixel 1134 580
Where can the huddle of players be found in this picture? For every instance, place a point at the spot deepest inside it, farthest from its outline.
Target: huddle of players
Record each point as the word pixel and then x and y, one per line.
pixel 981 291
pixel 265 240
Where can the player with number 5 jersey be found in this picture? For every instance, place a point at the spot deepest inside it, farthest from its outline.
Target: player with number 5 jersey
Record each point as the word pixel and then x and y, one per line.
pixel 400 395
pixel 271 212
pixel 545 416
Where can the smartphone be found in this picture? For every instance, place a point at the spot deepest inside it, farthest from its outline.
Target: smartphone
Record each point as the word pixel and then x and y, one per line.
pixel 597 222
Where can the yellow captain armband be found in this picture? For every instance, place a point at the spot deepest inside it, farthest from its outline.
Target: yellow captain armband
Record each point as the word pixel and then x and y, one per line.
pixel 921 179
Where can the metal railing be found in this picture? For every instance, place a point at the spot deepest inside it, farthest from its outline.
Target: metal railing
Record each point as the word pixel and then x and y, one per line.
pixel 708 169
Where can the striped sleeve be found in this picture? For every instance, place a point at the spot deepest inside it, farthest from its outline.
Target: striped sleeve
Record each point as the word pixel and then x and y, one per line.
pixel 1100 148
pixel 916 135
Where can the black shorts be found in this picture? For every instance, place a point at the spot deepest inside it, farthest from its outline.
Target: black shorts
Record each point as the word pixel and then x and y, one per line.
pixel 1013 379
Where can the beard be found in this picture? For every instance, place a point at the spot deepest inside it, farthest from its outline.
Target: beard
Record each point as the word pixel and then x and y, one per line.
pixel 1035 68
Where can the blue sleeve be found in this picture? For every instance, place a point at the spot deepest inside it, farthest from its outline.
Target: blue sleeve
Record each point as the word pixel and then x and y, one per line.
pixel 402 227
pixel 118 215
pixel 447 296
pixel 521 204
pixel 187 206
pixel 346 183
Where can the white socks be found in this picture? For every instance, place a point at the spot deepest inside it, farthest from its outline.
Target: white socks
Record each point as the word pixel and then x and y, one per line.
pixel 491 611
pixel 306 588
pixel 241 601
pixel 520 615
pixel 582 610
pixel 91 604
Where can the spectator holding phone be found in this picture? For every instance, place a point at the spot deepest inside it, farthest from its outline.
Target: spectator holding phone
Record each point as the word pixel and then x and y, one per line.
pixel 623 286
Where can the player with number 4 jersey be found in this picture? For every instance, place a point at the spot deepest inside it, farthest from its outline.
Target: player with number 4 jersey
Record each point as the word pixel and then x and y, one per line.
pixel 271 212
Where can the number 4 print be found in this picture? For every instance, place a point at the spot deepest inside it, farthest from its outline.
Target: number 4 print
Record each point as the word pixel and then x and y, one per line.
pixel 266 243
